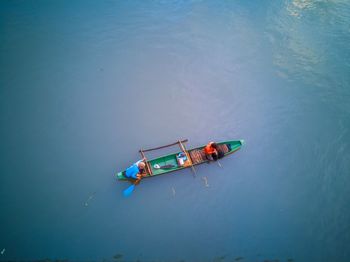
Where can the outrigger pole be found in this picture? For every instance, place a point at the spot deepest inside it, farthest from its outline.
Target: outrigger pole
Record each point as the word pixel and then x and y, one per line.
pixel 173 144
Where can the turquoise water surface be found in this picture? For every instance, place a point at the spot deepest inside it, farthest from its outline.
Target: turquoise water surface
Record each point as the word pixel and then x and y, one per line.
pixel 85 84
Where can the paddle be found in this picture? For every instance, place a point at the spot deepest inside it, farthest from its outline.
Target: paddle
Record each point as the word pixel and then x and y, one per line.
pixel 217 161
pixel 127 192
pixel 169 166
pixel 220 155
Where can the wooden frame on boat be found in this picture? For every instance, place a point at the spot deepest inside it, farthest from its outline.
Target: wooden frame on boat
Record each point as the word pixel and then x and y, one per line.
pixel 142 151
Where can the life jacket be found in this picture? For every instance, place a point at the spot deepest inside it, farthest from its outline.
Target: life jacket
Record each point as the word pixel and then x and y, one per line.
pixel 208 149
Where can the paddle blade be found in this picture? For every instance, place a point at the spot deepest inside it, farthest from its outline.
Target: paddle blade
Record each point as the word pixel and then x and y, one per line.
pixel 127 192
pixel 167 166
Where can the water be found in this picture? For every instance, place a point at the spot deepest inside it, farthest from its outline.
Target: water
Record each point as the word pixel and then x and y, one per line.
pixel 84 85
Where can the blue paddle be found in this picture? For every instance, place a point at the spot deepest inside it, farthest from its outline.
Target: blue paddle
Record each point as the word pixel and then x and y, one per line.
pixel 127 192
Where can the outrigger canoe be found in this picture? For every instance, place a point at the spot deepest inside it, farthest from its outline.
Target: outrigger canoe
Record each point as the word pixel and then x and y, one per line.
pixel 169 163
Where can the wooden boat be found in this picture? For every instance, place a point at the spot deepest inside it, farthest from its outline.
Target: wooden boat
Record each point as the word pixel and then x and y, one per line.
pixel 172 162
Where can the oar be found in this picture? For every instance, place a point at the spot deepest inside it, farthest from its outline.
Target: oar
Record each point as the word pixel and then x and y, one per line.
pixel 127 192
pixel 220 155
pixel 217 161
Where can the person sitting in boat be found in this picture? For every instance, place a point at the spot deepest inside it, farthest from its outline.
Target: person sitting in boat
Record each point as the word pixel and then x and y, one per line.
pixel 211 151
pixel 136 171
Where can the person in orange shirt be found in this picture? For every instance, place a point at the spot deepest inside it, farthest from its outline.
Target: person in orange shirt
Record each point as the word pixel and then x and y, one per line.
pixel 211 151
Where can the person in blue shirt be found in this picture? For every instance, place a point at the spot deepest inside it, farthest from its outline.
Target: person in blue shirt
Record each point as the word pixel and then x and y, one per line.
pixel 136 170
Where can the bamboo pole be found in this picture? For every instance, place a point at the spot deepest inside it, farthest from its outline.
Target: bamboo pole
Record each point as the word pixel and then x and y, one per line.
pixel 173 144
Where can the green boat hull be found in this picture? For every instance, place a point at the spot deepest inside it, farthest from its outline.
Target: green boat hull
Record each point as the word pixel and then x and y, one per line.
pixel 196 155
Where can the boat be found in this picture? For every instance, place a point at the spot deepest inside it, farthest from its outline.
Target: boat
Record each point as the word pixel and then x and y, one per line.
pixel 181 159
